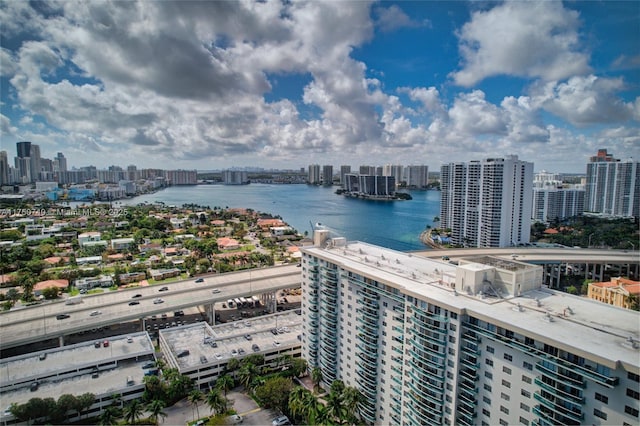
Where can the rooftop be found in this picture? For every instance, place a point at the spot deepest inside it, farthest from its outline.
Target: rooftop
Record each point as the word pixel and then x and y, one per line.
pixel 576 322
pixel 231 337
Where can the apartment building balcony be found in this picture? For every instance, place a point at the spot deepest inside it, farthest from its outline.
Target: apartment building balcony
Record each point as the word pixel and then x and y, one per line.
pixel 396 410
pixel 559 411
pixel 464 419
pixel 425 394
pixel 428 383
pixel 565 377
pixel 467 401
pixel 469 374
pixel 470 362
pixel 560 393
pixel 368 314
pixel 428 358
pixel 428 347
pixel 366 347
pixel 430 414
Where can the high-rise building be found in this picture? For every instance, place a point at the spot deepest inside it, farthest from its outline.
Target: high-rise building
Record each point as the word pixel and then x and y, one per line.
pixel 327 175
pixel 370 186
pixel 23 149
pixel 430 343
pixel 394 170
pixel 4 168
pixel 235 177
pixel 487 203
pixel 557 203
pixel 343 171
pixel 36 162
pixel 417 176
pixel 612 186
pixel 60 163
pixel 313 176
pixel 368 170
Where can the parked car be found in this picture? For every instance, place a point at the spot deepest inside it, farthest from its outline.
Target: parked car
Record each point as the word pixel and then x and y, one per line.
pixel 234 419
pixel 105 344
pixel 281 421
pixel 34 386
pixel 255 347
pixel 183 353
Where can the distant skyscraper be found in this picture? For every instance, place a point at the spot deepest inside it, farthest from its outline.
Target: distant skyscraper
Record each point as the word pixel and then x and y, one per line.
pixel 313 177
pixel 23 149
pixel 4 168
pixel 327 175
pixel 368 170
pixel 61 162
pixel 417 176
pixel 343 171
pixel 487 203
pixel 553 200
pixel 36 162
pixel 612 186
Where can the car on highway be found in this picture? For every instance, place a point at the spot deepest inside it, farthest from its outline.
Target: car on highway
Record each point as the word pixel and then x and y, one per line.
pixel 62 316
pixel 158 301
pixel 164 288
pixel 200 280
pixel 95 313
pixel 136 296
pixel 135 302
pixel 215 291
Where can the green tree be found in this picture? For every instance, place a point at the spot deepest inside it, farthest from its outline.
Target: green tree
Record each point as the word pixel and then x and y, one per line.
pixel 155 407
pixel 133 411
pixel 352 401
pixel 316 378
pixel 572 289
pixel 216 402
pixel 195 396
pixel 275 392
pixel 298 366
pixel 84 402
pixel 225 383
pixel 66 402
pixel 109 416
pixel 51 293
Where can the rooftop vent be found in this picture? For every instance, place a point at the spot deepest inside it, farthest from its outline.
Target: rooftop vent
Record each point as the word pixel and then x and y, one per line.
pixel 548 317
pixel 518 308
pixel 631 343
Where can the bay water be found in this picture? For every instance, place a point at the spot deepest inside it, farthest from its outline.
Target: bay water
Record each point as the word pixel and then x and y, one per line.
pixel 393 224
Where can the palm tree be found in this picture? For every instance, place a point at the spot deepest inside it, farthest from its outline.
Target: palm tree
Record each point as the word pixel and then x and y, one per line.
pixel 335 407
pixel 352 399
pixel 155 407
pixel 216 401
pixel 299 401
pixel 195 396
pixel 316 377
pixel 132 411
pixel 109 416
pixel 225 383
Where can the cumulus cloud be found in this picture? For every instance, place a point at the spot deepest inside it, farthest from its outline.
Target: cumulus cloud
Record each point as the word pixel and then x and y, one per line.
pixel 586 100
pixel 524 39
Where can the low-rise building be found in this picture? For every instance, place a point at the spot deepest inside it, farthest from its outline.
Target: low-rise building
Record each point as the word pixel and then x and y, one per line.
pixel 87 237
pixel 617 292
pixel 93 282
pixel 122 243
pixel 106 368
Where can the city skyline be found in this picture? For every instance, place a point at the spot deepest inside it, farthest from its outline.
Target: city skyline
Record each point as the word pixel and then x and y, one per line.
pixel 215 85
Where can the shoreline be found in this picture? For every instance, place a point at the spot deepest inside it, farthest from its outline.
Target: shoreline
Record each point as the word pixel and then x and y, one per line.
pixel 425 238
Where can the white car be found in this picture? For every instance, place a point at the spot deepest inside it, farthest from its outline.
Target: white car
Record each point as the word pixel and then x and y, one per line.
pixel 215 291
pixel 95 313
pixel 158 301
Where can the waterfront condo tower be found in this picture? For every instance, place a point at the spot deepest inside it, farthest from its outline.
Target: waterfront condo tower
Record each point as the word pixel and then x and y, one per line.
pixel 612 186
pixel 431 343
pixel 487 203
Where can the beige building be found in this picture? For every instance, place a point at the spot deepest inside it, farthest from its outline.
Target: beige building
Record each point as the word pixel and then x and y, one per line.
pixel 616 292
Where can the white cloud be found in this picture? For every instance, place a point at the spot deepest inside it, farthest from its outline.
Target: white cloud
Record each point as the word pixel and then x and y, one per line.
pixel 586 100
pixel 524 39
pixel 391 18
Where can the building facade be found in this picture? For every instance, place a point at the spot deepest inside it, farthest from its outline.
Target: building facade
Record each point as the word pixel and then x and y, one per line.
pixel 417 176
pixel 327 175
pixel 313 176
pixel 619 292
pixel 487 203
pixel 612 186
pixel 423 349
pixel 557 203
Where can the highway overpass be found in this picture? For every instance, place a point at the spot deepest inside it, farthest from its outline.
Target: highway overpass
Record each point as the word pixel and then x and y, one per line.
pixel 35 323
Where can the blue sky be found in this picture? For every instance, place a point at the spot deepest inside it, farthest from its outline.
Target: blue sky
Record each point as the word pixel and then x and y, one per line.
pixel 210 85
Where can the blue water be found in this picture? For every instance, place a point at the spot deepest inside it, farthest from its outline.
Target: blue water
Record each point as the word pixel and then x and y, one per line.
pixel 396 225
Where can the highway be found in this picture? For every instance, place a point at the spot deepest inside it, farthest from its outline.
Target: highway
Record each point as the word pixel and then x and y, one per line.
pixel 35 323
